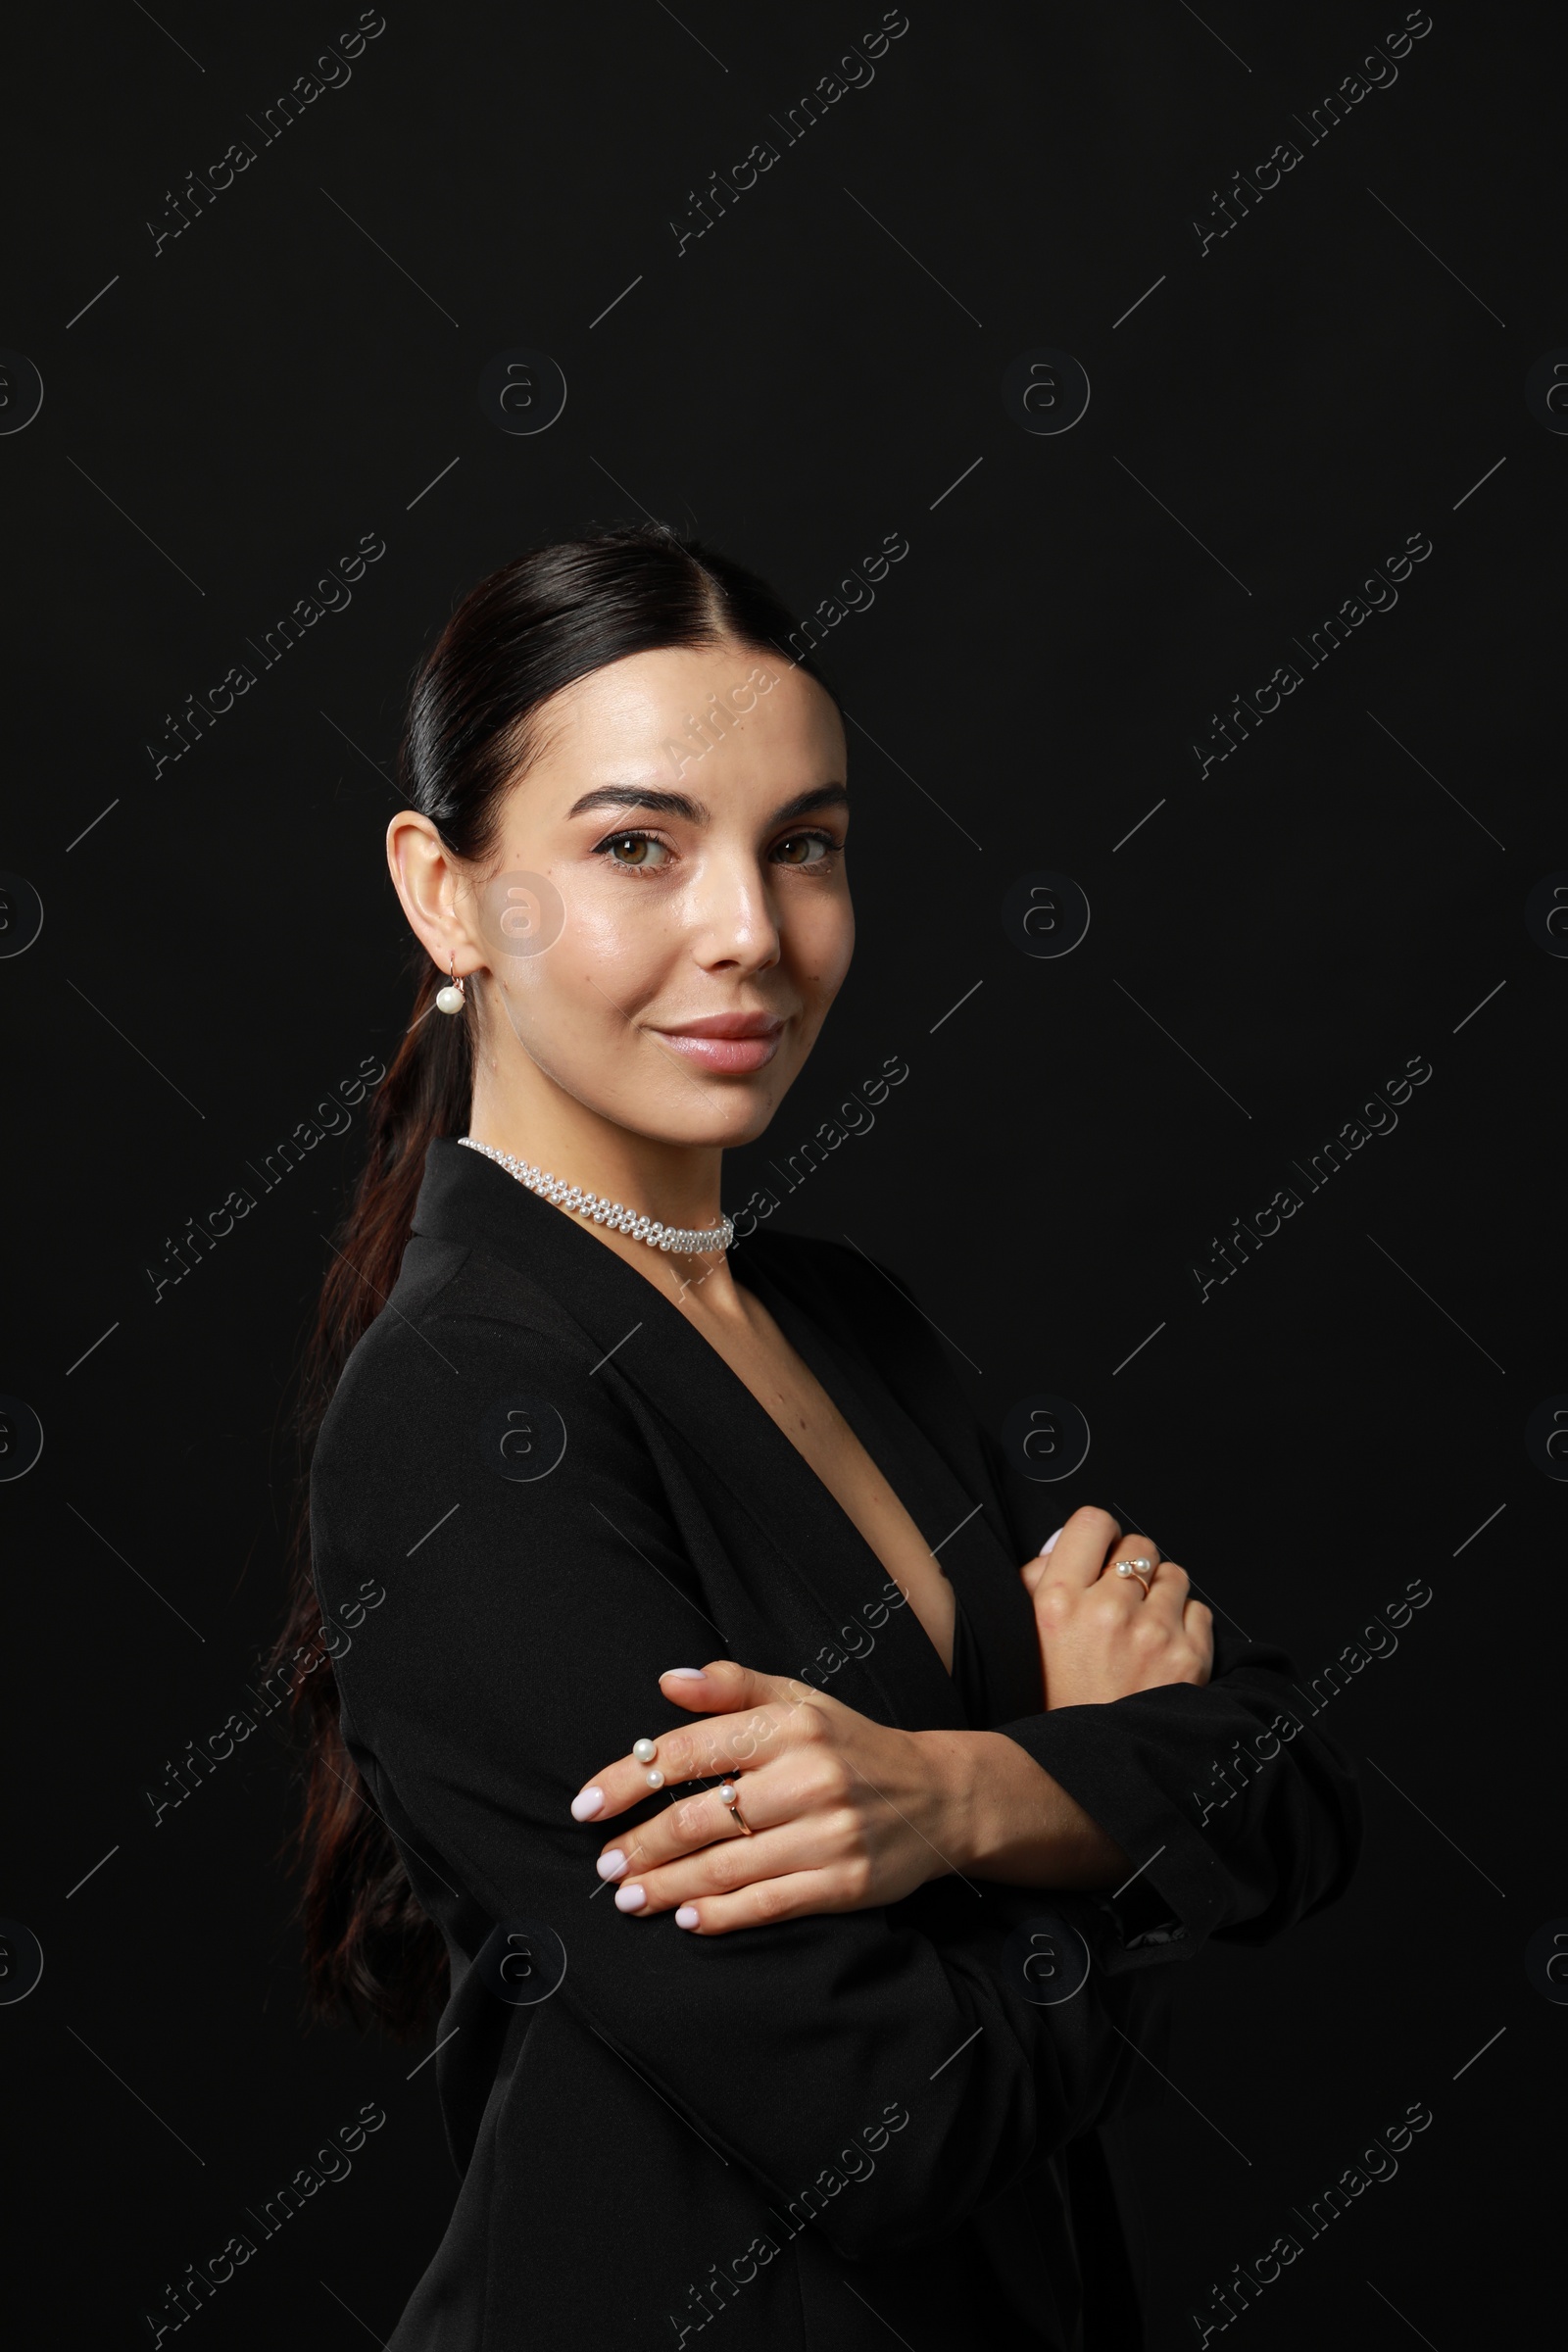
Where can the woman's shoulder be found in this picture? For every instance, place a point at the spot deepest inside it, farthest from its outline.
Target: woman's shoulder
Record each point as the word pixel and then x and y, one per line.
pixel 456 1322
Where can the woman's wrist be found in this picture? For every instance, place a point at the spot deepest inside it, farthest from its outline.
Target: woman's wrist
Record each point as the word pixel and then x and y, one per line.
pixel 1000 1815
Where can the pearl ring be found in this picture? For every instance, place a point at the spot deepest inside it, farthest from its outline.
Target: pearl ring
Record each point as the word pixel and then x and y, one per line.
pixel 645 1750
pixel 1143 1570
pixel 731 1796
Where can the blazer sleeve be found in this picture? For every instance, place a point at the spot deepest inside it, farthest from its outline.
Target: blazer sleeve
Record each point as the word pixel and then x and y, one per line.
pixel 516 1650
pixel 1244 1814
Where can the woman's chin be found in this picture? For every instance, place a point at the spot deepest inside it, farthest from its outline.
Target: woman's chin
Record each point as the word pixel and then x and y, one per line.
pixel 734 1114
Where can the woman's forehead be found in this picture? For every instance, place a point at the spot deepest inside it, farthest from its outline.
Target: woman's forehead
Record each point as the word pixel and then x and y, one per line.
pixel 727 716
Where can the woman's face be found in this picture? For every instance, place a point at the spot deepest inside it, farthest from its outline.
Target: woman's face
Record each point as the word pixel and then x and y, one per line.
pixel 667 916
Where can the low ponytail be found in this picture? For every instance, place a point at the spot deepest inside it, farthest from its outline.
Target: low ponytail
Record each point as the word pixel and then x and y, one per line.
pixel 521 636
pixel 371 1950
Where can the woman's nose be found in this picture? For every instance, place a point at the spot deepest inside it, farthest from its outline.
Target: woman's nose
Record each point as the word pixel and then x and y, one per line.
pixel 732 915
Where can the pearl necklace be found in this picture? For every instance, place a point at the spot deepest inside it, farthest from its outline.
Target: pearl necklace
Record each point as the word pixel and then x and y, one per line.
pixel 619 1219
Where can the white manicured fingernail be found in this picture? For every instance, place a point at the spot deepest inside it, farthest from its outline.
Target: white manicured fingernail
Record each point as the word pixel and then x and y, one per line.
pixel 686 1916
pixel 1050 1543
pixel 683 1674
pixel 630 1898
pixel 586 1804
pixel 612 1865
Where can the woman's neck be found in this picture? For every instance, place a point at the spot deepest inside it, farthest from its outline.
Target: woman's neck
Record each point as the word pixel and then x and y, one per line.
pixel 675 1184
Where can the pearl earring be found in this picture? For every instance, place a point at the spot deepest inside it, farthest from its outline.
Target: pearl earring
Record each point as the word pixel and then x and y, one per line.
pixel 451 999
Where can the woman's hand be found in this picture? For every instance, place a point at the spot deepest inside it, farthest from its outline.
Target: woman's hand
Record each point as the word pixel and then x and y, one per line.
pixel 845 1813
pixel 1102 1636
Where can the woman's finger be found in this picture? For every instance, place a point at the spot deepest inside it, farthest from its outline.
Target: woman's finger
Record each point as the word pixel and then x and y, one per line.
pixel 704 1751
pixel 1132 1590
pixel 1131 1548
pixel 1079 1551
pixel 1168 1595
pixel 687 1826
pixel 1198 1624
pixel 797 1896
pixel 722 1687
pixel 674 1759
pixel 749 1715
pixel 720 1869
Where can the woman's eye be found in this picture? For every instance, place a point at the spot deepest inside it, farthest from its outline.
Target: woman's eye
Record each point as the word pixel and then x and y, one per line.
pixel 640 853
pixel 804 849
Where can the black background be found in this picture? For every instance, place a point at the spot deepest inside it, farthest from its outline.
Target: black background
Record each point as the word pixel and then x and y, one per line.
pixel 222 947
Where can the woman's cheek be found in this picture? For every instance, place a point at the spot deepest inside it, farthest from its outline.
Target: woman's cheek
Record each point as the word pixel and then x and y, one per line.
pixel 824 944
pixel 619 927
pixel 618 942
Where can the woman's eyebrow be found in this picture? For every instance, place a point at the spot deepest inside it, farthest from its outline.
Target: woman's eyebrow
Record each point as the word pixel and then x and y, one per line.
pixel 640 796
pixel 821 795
pixel 695 813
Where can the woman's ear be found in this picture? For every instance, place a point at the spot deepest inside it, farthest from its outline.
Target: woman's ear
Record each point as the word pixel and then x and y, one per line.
pixel 428 883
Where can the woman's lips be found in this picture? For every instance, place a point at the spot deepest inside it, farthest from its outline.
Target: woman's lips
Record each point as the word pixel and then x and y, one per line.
pixel 730 1045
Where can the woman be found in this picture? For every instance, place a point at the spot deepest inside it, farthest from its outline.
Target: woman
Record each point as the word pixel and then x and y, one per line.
pixel 795 1994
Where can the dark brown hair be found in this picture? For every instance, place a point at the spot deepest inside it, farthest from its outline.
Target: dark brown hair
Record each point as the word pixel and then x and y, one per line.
pixel 550 616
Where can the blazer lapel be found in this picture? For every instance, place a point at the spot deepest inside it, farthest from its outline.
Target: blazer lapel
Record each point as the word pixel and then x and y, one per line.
pixel 642 1337
pixel 954 1504
pixel 856 1397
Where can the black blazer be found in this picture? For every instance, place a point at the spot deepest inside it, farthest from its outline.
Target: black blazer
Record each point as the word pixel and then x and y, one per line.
pixel 808 2133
